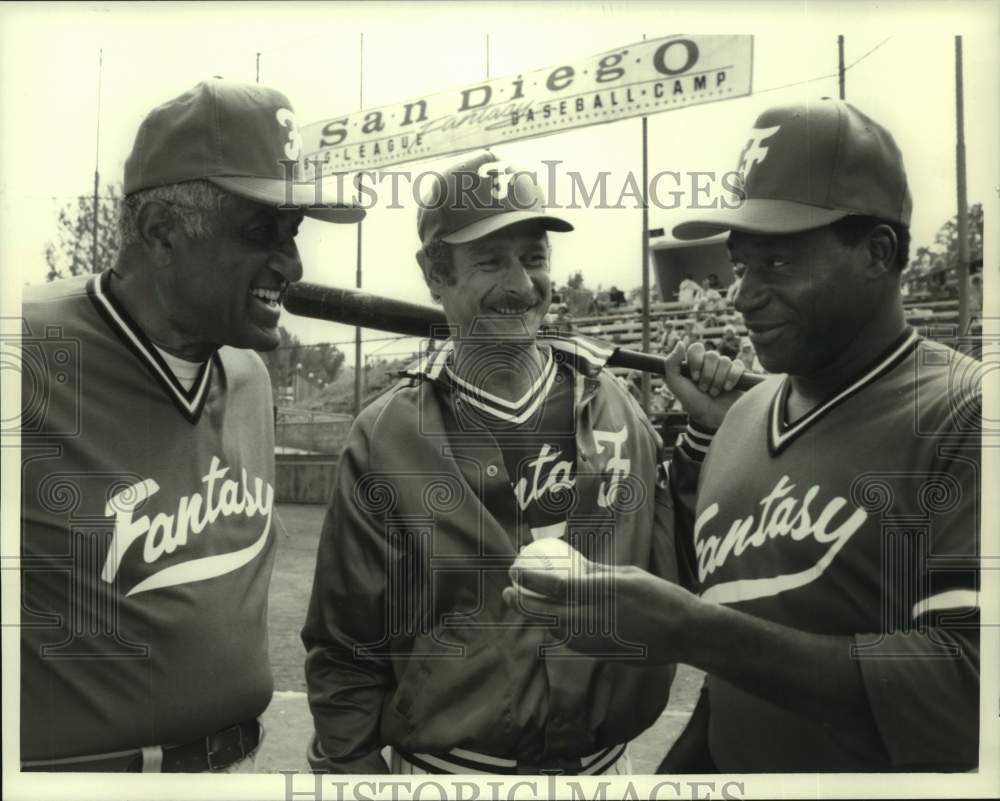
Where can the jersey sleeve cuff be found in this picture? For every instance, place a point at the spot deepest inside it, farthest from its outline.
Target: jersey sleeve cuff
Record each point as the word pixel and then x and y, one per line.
pixel 695 441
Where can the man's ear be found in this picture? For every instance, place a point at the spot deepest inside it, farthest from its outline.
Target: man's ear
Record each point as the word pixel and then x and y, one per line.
pixel 882 246
pixel 156 231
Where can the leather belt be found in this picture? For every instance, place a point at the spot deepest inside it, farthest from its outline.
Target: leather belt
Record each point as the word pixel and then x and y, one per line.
pixel 212 753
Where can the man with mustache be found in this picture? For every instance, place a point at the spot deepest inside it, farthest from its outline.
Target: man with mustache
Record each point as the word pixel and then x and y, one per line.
pixel 496 440
pixel 835 547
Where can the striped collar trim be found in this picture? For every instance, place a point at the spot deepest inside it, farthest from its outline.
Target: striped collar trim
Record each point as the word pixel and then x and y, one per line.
pixel 590 354
pixel 781 434
pixel 509 411
pixel 431 365
pixel 191 402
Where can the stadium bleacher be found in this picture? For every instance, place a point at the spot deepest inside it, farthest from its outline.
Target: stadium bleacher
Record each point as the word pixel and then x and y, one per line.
pixel 622 326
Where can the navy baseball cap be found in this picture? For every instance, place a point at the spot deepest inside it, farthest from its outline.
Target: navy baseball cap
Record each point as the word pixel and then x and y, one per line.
pixel 236 136
pixel 478 196
pixel 808 165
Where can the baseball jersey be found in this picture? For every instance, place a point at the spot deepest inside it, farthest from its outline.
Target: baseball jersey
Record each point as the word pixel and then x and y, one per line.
pixel 146 537
pixel 409 640
pixel 858 519
pixel 536 435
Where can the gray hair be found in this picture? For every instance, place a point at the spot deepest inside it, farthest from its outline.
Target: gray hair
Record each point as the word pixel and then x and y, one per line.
pixel 435 258
pixel 195 205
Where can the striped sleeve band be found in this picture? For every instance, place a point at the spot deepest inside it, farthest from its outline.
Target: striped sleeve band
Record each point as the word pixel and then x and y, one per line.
pixel 694 441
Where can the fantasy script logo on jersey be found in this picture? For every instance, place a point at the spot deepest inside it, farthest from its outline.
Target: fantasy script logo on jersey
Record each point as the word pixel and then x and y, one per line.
pixel 548 475
pixel 782 515
pixel 165 533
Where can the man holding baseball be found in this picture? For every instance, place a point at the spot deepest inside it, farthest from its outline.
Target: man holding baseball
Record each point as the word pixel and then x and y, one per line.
pixel 148 452
pixel 495 441
pixel 835 546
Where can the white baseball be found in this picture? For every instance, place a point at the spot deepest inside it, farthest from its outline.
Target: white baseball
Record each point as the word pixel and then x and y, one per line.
pixel 550 555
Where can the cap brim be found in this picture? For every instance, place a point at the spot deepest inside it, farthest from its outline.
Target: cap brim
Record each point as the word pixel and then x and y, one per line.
pixel 491 224
pixel 758 216
pixel 273 191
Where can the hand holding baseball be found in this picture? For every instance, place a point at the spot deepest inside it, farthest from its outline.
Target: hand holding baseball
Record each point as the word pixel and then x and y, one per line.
pixel 638 607
pixel 544 567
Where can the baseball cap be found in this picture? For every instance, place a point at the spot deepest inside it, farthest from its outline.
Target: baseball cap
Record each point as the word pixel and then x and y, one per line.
pixel 478 196
pixel 236 136
pixel 807 165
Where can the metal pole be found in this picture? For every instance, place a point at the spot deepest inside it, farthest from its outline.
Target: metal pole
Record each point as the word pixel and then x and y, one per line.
pixel 258 67
pixel 645 263
pixel 357 282
pixel 840 65
pixel 94 266
pixel 963 206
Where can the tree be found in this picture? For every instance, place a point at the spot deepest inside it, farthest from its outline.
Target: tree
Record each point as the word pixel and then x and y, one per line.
pixel 291 358
pixel 946 239
pixel 575 280
pixel 72 251
pixel 323 361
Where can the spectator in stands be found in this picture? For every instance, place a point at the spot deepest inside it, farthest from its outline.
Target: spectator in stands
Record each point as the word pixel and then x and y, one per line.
pixel 976 291
pixel 734 287
pixel 669 337
pixel 729 345
pixel 694 331
pixel 711 345
pixel 689 291
pixel 564 320
pixel 616 297
pixel 748 356
pixel 710 303
pixel 558 319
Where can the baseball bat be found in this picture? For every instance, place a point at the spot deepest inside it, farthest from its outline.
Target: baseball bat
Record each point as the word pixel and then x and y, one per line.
pixel 363 309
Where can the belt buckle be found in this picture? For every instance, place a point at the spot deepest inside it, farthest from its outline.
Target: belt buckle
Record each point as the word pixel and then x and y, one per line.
pixel 210 753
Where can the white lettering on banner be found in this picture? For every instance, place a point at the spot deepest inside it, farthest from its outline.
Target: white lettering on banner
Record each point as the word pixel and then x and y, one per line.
pixel 782 515
pixel 618 466
pixel 642 78
pixel 165 533
pixel 559 477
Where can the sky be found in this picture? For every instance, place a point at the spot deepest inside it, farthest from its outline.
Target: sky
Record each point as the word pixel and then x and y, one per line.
pixel 50 75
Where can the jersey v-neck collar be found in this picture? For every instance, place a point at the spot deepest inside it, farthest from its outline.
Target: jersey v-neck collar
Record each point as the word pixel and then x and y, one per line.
pixel 781 433
pixel 509 411
pixel 191 402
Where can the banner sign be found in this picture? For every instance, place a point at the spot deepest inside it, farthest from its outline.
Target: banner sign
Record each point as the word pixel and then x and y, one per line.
pixel 644 78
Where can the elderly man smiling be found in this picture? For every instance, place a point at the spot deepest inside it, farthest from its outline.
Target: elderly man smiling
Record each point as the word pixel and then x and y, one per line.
pixel 148 464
